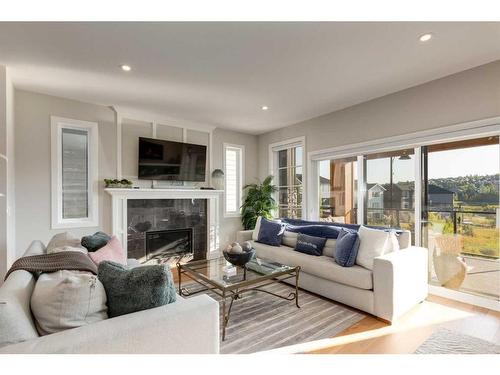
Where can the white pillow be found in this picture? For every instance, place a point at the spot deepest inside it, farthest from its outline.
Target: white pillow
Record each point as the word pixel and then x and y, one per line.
pixel 374 243
pixel 64 240
pixel 255 233
pixel 67 299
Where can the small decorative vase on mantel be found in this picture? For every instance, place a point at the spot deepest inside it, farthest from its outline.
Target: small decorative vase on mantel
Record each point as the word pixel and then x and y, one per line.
pixel 218 179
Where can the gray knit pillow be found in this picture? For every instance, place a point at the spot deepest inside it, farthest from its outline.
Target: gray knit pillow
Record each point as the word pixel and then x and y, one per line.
pixel 135 289
pixel 95 241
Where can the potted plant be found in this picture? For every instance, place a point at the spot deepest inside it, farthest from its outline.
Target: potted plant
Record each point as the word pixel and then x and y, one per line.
pixel 115 183
pixel 258 201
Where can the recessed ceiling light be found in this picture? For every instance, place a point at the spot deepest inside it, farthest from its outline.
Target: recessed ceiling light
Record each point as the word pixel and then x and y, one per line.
pixel 425 37
pixel 126 68
pixel 264 107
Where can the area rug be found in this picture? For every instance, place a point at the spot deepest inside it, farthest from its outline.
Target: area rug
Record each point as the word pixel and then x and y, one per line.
pixel 260 321
pixel 444 341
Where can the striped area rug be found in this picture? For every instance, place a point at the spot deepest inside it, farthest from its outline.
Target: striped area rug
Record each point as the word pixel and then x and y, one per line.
pixel 260 321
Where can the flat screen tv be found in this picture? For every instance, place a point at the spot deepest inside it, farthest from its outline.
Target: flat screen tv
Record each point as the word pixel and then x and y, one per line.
pixel 175 161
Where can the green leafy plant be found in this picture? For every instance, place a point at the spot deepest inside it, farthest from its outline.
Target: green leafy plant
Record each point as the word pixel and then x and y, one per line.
pixel 258 201
pixel 113 182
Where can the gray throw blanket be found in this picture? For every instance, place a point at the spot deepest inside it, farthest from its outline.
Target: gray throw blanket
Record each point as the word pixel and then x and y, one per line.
pixel 66 260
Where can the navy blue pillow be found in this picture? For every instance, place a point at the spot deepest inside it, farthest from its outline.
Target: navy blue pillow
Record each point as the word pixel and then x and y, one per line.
pixel 324 231
pixel 346 248
pixel 270 232
pixel 309 244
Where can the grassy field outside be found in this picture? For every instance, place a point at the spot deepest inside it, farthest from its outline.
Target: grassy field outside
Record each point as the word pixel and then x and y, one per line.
pixel 480 235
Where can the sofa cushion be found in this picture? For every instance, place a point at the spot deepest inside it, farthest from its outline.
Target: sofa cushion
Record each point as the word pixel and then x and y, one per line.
pixel 67 299
pixel 289 239
pixel 347 248
pixel 309 244
pixel 329 249
pixel 322 266
pixel 135 289
pixel 374 243
pixel 270 232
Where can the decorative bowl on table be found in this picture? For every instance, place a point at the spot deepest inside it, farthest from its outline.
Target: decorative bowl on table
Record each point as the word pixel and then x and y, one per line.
pixel 239 259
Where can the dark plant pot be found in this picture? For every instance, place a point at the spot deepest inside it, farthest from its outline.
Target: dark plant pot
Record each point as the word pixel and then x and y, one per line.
pixel 239 259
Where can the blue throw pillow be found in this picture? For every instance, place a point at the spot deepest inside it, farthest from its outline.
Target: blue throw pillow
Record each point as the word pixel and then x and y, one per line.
pixel 309 244
pixel 270 232
pixel 346 248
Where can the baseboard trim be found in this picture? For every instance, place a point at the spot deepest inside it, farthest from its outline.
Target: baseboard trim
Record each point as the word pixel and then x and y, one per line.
pixel 464 297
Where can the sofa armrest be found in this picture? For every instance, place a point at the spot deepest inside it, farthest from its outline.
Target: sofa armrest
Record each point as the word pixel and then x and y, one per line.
pixel 186 326
pixel 399 281
pixel 244 235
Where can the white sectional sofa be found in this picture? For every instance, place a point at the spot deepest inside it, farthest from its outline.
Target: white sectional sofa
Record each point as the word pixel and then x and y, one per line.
pixel 397 283
pixel 185 326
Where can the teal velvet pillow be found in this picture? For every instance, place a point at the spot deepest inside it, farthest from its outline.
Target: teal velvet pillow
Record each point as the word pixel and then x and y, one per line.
pixel 95 241
pixel 134 289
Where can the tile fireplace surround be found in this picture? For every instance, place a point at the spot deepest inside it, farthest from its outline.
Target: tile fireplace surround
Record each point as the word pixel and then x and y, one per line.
pixel 120 218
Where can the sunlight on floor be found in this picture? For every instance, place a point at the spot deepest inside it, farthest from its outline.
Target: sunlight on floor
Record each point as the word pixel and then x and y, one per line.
pixel 426 315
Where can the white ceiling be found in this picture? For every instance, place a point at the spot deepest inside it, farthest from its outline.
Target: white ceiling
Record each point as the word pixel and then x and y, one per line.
pixel 222 73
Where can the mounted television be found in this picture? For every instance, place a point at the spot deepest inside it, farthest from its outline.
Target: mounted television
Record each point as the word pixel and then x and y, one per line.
pixel 174 161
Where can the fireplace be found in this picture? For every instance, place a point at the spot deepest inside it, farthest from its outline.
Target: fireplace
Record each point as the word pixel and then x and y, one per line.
pixel 166 230
pixel 161 244
pixel 135 212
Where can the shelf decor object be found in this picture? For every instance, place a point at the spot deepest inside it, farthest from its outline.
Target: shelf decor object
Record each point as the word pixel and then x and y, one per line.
pixel 218 179
pixel 118 184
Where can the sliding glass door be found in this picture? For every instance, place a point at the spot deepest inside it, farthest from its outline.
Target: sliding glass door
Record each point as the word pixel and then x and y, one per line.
pixel 456 201
pixel 460 211
pixel 338 187
pixel 389 198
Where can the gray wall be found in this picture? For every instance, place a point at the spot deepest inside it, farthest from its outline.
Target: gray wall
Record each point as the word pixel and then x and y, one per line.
pixel 33 165
pixel 469 95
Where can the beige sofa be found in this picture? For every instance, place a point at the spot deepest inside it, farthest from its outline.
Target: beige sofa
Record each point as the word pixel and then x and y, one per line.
pixel 185 326
pixel 397 283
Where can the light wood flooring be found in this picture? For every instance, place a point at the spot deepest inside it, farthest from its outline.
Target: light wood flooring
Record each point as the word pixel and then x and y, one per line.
pixel 372 336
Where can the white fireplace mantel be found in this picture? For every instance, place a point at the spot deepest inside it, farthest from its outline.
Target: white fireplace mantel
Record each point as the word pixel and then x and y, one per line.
pixel 119 199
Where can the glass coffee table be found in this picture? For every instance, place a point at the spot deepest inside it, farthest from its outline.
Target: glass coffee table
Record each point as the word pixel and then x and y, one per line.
pixel 253 277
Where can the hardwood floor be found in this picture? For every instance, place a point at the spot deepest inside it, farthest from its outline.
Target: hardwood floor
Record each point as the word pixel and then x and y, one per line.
pixel 372 336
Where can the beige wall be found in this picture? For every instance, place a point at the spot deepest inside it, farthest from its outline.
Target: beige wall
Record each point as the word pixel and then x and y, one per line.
pixel 232 224
pixel 470 95
pixel 32 141
pixel 33 163
pixel 7 200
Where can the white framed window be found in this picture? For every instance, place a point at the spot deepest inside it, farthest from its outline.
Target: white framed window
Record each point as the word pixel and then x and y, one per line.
pixel 287 160
pixel 233 178
pixel 74 146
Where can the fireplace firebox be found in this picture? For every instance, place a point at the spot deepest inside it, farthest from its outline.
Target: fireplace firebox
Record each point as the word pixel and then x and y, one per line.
pixel 162 244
